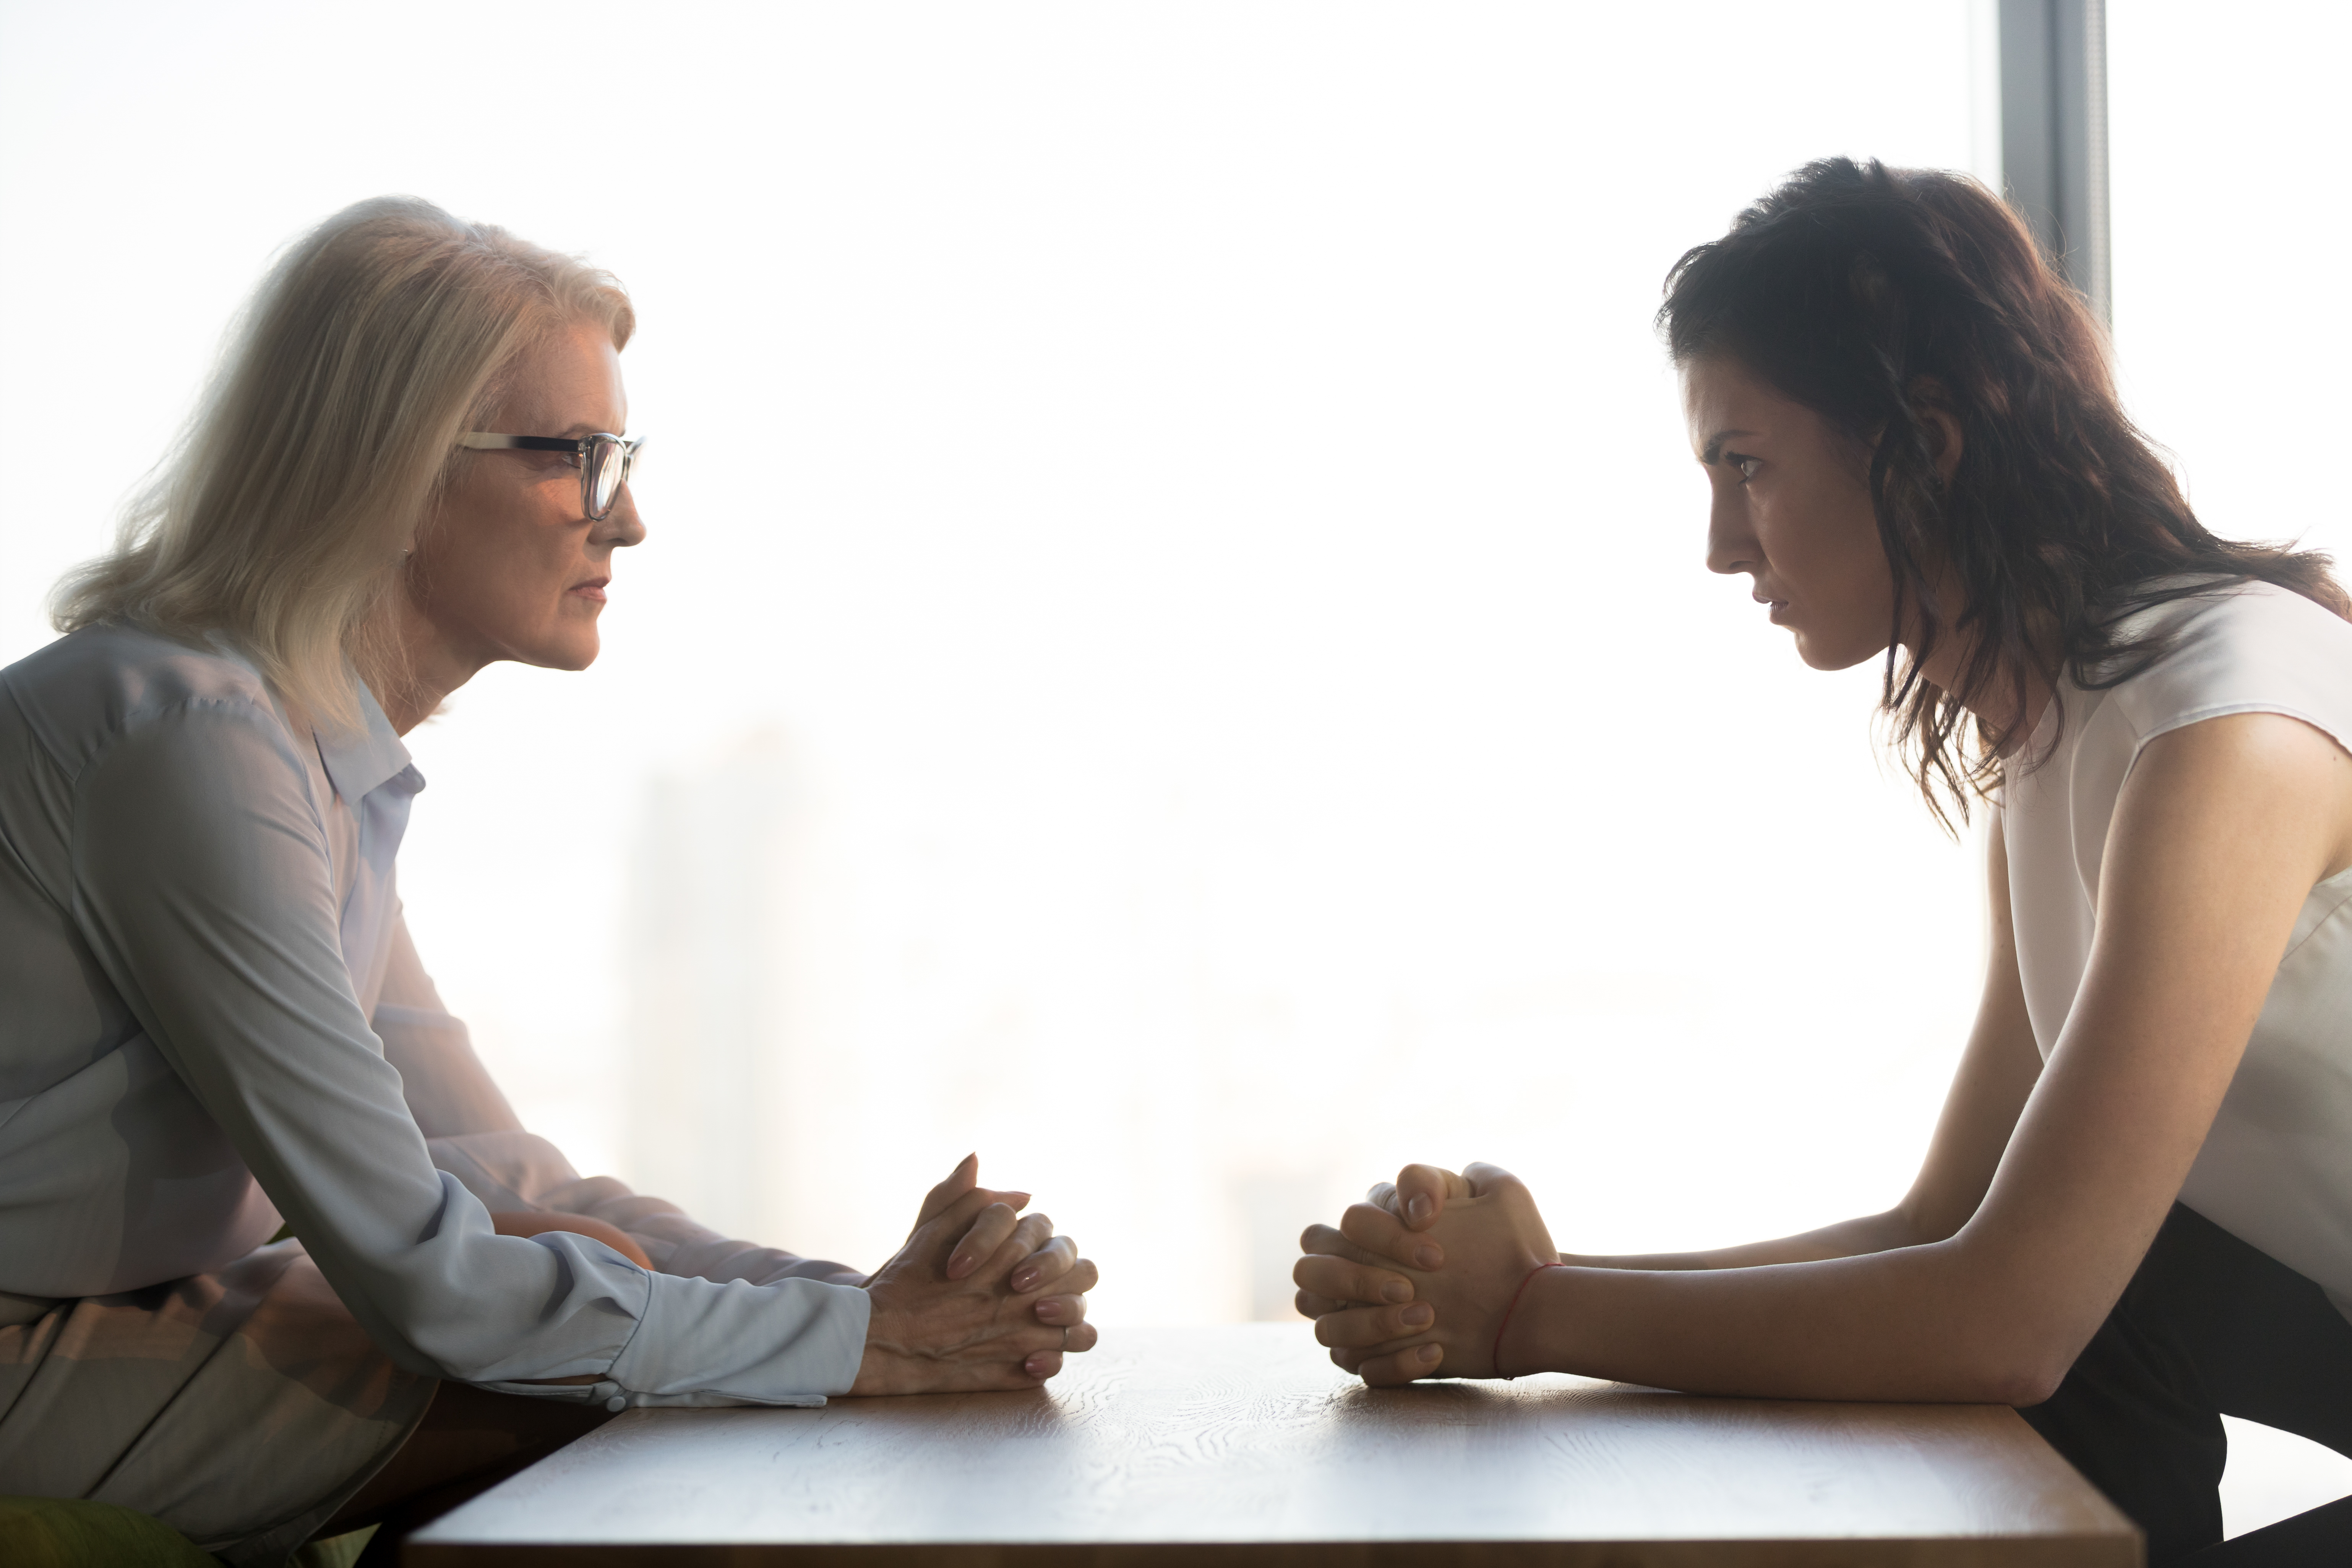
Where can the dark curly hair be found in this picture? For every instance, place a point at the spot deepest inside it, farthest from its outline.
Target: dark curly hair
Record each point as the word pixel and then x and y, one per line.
pixel 1872 295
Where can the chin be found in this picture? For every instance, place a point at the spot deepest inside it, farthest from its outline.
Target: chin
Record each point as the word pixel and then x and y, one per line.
pixel 1821 655
pixel 569 653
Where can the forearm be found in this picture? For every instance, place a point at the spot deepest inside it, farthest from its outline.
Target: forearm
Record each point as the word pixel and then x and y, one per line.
pixel 1847 1239
pixel 680 1246
pixel 1918 1323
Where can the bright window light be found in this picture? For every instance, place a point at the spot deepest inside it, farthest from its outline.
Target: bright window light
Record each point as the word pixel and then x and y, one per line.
pixel 1173 648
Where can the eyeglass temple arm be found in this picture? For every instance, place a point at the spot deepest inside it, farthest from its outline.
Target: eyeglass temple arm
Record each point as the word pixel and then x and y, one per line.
pixel 481 441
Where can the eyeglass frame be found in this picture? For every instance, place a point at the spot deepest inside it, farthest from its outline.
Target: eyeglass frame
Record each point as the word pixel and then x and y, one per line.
pixel 579 446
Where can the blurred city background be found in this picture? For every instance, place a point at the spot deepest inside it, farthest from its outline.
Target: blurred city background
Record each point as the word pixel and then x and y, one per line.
pixel 1173 648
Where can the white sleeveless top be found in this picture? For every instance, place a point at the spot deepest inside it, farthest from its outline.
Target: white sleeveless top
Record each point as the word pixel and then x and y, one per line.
pixel 2276 1170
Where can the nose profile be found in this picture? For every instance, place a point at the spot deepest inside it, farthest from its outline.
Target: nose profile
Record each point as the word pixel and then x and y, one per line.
pixel 1730 545
pixel 623 526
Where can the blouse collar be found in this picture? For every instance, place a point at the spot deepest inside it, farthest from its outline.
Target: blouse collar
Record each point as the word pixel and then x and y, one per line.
pixel 358 761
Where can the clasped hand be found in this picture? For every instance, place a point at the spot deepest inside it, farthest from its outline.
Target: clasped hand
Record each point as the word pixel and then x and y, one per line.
pixel 980 1297
pixel 1416 1280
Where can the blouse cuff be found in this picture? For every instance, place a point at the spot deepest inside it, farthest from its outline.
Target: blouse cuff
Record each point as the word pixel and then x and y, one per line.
pixel 701 1342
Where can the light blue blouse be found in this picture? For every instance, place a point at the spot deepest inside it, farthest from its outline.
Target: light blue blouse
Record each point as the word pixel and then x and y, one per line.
pixel 211 1017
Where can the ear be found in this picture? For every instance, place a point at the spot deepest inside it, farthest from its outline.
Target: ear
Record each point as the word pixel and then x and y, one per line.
pixel 1934 408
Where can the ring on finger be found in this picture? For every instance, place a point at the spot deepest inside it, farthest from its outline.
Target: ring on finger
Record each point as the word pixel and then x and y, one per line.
pixel 1065 1336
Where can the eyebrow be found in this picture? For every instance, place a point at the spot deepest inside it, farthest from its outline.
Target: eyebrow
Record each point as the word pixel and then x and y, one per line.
pixel 1714 450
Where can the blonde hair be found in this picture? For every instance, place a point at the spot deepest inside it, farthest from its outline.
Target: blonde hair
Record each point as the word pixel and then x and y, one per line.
pixel 281 515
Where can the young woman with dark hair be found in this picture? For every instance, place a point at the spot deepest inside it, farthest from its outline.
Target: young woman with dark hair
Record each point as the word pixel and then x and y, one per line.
pixel 2136 1213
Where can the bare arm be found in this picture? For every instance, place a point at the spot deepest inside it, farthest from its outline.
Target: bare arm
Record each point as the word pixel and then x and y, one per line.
pixel 2219 835
pixel 1996 1074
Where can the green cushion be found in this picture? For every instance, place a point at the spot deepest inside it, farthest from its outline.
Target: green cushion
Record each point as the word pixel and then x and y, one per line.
pixel 335 1551
pixel 53 1532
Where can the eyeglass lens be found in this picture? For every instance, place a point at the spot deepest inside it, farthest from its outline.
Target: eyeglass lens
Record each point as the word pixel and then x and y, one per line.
pixel 607 469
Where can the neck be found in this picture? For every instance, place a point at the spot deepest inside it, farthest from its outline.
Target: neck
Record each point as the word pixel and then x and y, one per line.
pixel 419 668
pixel 1999 705
pixel 2003 706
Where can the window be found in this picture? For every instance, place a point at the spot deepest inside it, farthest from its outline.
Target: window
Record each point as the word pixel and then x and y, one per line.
pixel 1211 691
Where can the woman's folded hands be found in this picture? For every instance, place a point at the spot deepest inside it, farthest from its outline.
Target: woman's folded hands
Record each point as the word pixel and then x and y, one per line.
pixel 981 1297
pixel 1415 1281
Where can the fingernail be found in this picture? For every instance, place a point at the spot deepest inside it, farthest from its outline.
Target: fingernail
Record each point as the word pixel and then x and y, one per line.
pixel 1024 1280
pixel 1427 1355
pixel 1037 1365
pixel 1420 1315
pixel 1396 1290
pixel 1049 1311
pixel 1428 1256
pixel 958 1266
pixel 1417 1208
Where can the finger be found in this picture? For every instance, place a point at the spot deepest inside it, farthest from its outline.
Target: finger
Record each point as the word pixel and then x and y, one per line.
pixel 1080 1339
pixel 1045 1266
pixel 1484 1178
pixel 1346 1281
pixel 1421 1192
pixel 961 1179
pixel 1354 1358
pixel 953 1201
pixel 1363 1328
pixel 932 1237
pixel 1029 1234
pixel 1063 1312
pixel 1082 1277
pixel 1383 1236
pixel 1388 1371
pixel 1043 1364
pixel 1310 1305
pixel 990 1229
pixel 1322 1238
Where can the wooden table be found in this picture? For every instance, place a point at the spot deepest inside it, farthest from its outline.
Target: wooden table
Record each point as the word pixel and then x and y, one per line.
pixel 1242 1446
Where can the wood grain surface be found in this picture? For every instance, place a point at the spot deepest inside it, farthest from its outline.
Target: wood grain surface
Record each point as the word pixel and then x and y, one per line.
pixel 1244 1447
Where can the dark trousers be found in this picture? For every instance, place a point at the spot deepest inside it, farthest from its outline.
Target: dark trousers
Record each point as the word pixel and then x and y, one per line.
pixel 2207 1327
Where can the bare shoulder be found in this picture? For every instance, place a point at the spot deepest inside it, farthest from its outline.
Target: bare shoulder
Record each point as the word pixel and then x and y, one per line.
pixel 2259 783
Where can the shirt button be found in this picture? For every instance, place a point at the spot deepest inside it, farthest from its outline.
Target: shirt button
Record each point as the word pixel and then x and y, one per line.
pixel 617 1404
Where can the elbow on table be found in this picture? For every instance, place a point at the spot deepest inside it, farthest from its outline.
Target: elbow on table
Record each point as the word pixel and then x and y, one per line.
pixel 2010 1332
pixel 1996 1368
pixel 2024 1383
pixel 2020 1365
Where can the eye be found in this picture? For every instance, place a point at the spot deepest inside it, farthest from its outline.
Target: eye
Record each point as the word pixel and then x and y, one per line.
pixel 1744 467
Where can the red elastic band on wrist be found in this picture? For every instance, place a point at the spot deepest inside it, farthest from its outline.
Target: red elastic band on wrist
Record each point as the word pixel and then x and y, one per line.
pixel 1498 1356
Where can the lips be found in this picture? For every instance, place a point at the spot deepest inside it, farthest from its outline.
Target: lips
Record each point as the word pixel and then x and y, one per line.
pixel 593 588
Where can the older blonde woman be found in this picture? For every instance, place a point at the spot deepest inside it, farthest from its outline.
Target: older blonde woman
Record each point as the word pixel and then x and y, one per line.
pixel 213 1023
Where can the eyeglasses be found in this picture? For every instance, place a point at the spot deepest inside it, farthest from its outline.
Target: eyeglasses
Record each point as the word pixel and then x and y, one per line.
pixel 605 462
